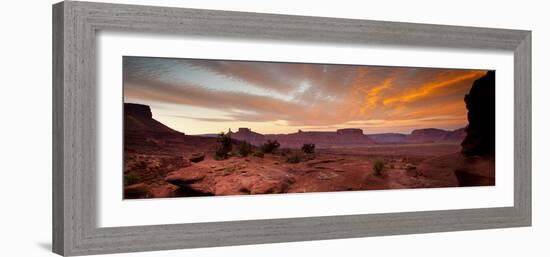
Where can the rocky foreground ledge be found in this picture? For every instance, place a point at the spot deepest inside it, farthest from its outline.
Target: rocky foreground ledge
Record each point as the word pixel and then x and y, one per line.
pixel 328 172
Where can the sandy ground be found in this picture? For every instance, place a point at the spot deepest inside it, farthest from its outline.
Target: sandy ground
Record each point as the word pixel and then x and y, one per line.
pixel 337 169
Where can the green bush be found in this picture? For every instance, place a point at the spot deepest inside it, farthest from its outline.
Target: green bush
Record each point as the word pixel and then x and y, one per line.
pixel 245 149
pixel 308 148
pixel 224 148
pixel 131 178
pixel 270 146
pixel 378 167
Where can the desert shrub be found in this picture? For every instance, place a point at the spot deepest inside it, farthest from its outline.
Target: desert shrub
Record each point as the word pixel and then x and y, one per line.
pixel 308 148
pixel 224 147
pixel 259 154
pixel 295 158
pixel 131 178
pixel 378 167
pixel 245 149
pixel 270 146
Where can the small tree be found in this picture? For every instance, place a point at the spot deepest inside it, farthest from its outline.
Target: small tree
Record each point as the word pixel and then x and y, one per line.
pixel 224 148
pixel 378 167
pixel 308 148
pixel 270 146
pixel 245 148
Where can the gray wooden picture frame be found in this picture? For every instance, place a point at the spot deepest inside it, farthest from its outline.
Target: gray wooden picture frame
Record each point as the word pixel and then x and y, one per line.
pixel 75 25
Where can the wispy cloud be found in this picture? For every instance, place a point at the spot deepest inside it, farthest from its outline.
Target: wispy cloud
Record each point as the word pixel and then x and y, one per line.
pixel 287 96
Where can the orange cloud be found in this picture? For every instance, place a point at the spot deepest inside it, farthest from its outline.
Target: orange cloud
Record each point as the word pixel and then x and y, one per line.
pixel 431 87
pixel 372 97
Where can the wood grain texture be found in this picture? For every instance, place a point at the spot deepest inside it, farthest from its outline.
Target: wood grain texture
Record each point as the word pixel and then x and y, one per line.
pixel 74 126
pixel 57 132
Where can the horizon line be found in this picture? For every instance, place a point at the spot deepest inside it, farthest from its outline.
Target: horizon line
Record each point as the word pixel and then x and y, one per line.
pixel 327 131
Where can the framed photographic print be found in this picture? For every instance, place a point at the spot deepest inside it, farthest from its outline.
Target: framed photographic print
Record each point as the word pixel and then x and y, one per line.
pixel 182 128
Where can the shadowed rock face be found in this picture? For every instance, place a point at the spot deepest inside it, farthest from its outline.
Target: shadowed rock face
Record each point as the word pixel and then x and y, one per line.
pixel 139 119
pixel 480 102
pixel 138 110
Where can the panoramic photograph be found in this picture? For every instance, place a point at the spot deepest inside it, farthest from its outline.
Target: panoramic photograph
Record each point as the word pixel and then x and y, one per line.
pixel 197 127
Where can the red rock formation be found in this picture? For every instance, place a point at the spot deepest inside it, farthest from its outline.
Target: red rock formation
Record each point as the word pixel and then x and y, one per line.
pixel 151 150
pixel 350 137
pixel 139 119
pixel 246 134
pixel 322 139
pixel 478 146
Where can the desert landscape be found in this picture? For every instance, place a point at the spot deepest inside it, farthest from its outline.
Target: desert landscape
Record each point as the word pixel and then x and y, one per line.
pixel 160 161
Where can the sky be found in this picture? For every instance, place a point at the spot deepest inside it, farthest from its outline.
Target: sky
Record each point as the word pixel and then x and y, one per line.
pixel 198 96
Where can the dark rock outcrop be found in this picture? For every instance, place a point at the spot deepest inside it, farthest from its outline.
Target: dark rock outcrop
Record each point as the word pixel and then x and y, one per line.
pixel 152 150
pixel 196 157
pixel 480 132
pixel 139 119
pixel 137 110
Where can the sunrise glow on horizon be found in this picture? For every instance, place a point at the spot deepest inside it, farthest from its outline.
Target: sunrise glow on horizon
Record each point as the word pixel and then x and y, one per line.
pixel 210 96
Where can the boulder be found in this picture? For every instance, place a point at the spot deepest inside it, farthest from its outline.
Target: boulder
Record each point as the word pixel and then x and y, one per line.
pixel 198 180
pixel 192 181
pixel 196 157
pixel 185 176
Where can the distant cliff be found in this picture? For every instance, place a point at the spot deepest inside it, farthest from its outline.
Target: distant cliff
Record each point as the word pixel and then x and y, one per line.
pixel 139 124
pixel 351 137
pixel 435 135
pixel 428 135
pixel 322 139
pixel 144 134
pixel 139 119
